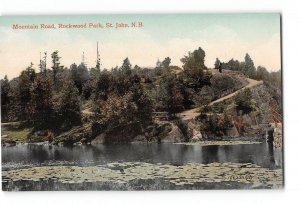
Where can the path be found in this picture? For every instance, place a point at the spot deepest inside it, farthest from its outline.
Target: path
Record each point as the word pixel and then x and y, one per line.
pixel 192 113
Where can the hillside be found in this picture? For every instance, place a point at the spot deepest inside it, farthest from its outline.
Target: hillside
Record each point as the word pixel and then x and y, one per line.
pixel 238 83
pixel 77 105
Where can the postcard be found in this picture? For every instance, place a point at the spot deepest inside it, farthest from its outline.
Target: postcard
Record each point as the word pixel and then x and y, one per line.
pixel 141 102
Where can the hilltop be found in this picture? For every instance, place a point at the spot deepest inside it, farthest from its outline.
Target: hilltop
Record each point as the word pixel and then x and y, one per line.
pixel 133 104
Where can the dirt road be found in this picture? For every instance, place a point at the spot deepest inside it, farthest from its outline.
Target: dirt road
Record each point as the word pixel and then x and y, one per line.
pixel 192 113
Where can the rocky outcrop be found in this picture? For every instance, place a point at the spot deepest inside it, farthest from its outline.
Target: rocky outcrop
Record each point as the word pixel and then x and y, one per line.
pixel 174 136
pixel 277 136
pixel 74 135
pixel 197 136
pixel 100 139
pixel 139 139
pixel 232 132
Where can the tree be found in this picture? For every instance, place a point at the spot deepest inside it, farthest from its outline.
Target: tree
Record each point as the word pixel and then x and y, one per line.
pixel 158 63
pixel 117 110
pixel 55 64
pixel 243 100
pixel 193 67
pixel 169 97
pixel 126 67
pixel 5 99
pixel 122 81
pixel 233 65
pixel 103 84
pixel 30 72
pixel 69 106
pixel 143 103
pixel 166 62
pixel 79 75
pixel 22 96
pixel 41 106
pixel 249 68
pixel 262 73
pixel 134 107
pixel 224 122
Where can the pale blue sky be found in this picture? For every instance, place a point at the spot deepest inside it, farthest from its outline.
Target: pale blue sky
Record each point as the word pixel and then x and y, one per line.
pixel 220 35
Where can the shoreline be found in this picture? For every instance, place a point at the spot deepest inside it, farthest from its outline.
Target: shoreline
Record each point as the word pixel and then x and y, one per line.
pixel 199 143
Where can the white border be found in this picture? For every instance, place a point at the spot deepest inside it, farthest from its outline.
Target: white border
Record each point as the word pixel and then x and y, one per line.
pixel 291 69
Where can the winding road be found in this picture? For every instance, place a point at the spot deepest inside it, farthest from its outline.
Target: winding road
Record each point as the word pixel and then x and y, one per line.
pixel 192 113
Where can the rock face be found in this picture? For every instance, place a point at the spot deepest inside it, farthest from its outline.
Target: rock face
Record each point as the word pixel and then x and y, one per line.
pixel 197 136
pixel 174 136
pixel 253 122
pixel 100 139
pixel 74 135
pixel 242 123
pixel 278 136
pixel 190 129
pixel 232 132
pixel 159 134
pixel 139 139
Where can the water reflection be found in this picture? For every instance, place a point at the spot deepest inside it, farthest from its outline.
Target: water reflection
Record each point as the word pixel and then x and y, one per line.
pixel 34 155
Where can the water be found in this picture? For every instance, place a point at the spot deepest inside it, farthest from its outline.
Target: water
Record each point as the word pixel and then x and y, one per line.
pixel 166 159
pixel 30 155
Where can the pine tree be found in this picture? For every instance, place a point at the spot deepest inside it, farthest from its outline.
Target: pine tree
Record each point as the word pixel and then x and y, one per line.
pixel 55 64
pixel 126 67
pixel 249 68
pixel 41 106
pixel 69 106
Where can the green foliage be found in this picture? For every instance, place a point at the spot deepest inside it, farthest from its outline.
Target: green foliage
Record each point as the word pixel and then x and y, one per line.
pixel 79 75
pixel 55 65
pixel 21 94
pixel 169 96
pixel 166 62
pixel 41 106
pixel 5 99
pixel 216 124
pixel 143 103
pixel 29 72
pixel 262 73
pixel 87 90
pixel 126 67
pixel 249 68
pixel 193 68
pixel 132 107
pixel 103 84
pixel 224 122
pixel 243 100
pixel 68 108
pixel 19 135
pixel 122 98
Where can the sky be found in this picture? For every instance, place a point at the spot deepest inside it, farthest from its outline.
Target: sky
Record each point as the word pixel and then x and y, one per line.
pixel 224 36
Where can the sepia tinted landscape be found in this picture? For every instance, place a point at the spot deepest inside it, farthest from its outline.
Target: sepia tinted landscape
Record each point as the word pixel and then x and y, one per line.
pixel 183 122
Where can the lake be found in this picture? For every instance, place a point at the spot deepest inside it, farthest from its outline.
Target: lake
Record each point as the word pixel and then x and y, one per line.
pixel 121 167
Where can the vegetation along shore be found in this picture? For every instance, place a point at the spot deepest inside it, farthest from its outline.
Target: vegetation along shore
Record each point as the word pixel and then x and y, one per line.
pixel 231 103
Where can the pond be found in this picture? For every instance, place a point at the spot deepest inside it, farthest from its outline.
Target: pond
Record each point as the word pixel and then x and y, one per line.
pixel 140 167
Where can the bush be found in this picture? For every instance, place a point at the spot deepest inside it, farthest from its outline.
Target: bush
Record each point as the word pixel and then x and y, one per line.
pixel 243 100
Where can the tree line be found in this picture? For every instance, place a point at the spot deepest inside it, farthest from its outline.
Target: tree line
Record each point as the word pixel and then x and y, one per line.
pixel 54 98
pixel 248 68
